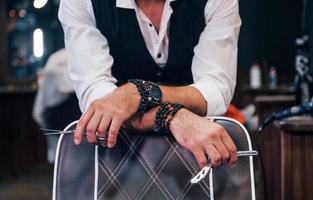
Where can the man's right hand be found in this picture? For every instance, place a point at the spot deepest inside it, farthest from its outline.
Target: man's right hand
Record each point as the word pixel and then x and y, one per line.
pixel 107 114
pixel 204 138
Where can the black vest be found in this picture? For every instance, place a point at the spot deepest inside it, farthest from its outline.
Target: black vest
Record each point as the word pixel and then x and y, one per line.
pixel 127 46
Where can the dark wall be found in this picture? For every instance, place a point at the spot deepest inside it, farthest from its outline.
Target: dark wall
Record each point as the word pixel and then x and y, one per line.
pixel 3 45
pixel 310 25
pixel 269 28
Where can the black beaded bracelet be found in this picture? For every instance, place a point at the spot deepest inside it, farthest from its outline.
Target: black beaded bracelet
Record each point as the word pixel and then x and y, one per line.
pixel 160 117
pixel 176 108
pixel 144 105
pixel 164 116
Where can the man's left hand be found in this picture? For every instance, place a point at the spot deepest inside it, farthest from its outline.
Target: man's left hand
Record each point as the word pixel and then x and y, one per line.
pixel 107 114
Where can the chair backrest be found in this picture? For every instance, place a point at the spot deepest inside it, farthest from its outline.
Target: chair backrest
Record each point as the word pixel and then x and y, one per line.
pixel 144 166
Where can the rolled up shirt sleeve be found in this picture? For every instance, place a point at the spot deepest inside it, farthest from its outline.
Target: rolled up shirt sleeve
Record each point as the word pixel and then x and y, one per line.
pixel 90 62
pixel 214 65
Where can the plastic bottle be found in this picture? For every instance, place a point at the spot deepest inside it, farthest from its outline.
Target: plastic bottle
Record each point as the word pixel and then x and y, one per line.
pixel 272 78
pixel 255 76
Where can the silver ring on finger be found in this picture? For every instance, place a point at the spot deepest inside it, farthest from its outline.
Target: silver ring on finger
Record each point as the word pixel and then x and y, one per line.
pixel 102 140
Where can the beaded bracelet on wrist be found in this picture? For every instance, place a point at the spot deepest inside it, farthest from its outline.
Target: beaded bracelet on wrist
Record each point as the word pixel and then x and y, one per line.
pixel 143 106
pixel 160 117
pixel 164 116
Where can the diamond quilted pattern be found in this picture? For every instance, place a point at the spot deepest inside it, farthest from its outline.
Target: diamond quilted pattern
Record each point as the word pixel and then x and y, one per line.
pixel 149 167
pixel 145 170
pixel 153 151
pixel 111 158
pixel 197 191
pixel 176 181
pixel 188 158
pixel 113 193
pixel 132 177
pixel 154 193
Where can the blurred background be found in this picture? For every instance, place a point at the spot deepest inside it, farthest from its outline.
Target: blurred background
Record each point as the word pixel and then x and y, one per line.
pixel 34 92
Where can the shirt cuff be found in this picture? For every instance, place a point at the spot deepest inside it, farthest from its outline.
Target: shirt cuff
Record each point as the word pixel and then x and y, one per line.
pixel 216 103
pixel 95 92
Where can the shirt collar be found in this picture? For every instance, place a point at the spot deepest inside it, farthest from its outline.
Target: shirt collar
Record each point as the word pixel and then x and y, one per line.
pixel 128 4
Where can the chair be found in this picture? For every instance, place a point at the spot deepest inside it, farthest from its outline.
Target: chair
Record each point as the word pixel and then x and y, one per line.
pixel 143 166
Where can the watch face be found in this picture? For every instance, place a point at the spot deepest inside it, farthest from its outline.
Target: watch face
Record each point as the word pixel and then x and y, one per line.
pixel 156 93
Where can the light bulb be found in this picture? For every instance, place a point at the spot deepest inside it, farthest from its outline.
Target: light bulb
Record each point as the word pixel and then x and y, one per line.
pixel 38 43
pixel 40 3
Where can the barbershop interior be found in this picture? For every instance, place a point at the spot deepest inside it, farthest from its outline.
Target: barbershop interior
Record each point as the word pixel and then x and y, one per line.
pixel 269 118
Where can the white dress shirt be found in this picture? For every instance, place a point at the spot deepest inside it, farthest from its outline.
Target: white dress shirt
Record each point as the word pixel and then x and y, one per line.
pixel 214 64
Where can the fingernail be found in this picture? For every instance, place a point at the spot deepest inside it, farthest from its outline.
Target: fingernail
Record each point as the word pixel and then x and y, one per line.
pixel 232 165
pixel 110 145
pixel 76 141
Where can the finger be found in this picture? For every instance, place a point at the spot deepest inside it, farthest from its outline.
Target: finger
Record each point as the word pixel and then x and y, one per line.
pixel 104 125
pixel 221 148
pixel 113 132
pixel 200 157
pixel 103 130
pixel 232 149
pixel 92 127
pixel 214 155
pixel 82 124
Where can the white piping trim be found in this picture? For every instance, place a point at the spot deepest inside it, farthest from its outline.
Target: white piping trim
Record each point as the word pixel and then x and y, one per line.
pixel 56 160
pixel 96 173
pixel 211 185
pixel 250 148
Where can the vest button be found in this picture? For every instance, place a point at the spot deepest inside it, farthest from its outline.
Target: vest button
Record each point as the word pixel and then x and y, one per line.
pixel 159 74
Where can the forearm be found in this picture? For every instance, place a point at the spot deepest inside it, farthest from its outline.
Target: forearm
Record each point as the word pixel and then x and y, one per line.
pixel 187 96
pixel 145 122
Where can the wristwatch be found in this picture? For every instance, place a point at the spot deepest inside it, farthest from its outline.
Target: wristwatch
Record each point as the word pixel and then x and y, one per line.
pixel 151 94
pixel 154 93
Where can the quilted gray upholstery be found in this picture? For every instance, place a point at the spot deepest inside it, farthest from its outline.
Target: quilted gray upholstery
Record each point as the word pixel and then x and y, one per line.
pixel 146 166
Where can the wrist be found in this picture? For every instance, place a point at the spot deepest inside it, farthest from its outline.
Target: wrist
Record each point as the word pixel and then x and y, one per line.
pixel 178 119
pixel 133 95
pixel 148 118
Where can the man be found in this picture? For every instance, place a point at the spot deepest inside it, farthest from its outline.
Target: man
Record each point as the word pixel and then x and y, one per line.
pixel 187 47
